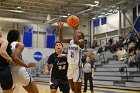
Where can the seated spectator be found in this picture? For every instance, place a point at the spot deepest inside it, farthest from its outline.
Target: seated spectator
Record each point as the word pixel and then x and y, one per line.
pixel 120 42
pixel 107 47
pixel 101 49
pixel 131 38
pixel 130 49
pixel 113 48
pixel 137 45
pixel 121 54
pixel 137 58
pixel 131 59
pixel 110 41
pixel 125 42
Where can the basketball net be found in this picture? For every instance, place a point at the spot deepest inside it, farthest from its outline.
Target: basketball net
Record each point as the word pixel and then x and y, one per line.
pixel 49 17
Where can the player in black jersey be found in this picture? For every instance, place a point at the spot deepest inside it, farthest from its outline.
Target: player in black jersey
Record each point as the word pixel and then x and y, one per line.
pixel 59 63
pixel 6 81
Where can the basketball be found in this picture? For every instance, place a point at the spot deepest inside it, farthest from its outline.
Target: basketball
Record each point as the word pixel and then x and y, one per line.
pixel 73 21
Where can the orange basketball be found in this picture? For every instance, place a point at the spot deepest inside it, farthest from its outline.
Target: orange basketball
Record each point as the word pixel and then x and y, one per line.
pixel 73 21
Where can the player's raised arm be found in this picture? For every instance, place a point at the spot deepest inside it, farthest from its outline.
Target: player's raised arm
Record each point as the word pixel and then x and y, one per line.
pixel 60 26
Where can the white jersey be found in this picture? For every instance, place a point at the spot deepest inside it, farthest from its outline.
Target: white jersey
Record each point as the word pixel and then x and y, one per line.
pixel 74 54
pixel 19 73
pixel 13 46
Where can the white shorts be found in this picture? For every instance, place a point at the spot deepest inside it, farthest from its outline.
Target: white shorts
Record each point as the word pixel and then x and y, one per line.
pixel 21 76
pixel 75 73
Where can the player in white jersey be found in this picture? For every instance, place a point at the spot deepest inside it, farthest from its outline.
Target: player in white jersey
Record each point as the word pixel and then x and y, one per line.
pixel 74 50
pixel 19 72
pixel 74 53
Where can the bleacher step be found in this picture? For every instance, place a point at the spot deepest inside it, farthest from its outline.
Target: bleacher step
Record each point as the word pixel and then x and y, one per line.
pixel 119 83
pixel 115 65
pixel 114 69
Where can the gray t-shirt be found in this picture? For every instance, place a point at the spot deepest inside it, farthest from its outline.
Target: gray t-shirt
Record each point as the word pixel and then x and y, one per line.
pixel 87 68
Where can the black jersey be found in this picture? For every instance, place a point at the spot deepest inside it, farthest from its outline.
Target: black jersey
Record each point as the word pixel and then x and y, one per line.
pixel 6 81
pixel 3 61
pixel 60 65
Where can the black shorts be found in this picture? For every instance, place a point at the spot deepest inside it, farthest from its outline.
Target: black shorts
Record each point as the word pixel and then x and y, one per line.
pixel 6 80
pixel 63 84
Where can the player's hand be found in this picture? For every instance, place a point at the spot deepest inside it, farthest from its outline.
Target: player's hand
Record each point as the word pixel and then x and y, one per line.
pixel 11 61
pixel 46 72
pixel 61 55
pixel 31 64
pixel 60 24
pixel 92 75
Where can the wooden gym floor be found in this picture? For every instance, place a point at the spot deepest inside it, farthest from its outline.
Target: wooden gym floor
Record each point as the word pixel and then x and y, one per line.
pixel 43 88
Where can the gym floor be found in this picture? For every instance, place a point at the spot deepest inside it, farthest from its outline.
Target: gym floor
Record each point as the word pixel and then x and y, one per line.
pixel 43 88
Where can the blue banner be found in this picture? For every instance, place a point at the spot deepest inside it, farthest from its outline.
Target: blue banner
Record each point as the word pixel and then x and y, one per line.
pixel 50 37
pixel 96 22
pixel 27 36
pixel 50 41
pixel 103 20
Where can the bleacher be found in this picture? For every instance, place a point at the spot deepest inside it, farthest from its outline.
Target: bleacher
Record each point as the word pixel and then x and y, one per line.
pixel 115 74
pixel 108 73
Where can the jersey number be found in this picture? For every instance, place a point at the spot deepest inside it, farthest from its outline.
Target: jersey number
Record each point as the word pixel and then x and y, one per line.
pixel 62 67
pixel 72 54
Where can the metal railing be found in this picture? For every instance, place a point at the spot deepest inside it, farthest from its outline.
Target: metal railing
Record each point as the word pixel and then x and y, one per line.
pixel 124 70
